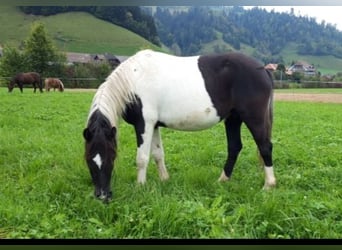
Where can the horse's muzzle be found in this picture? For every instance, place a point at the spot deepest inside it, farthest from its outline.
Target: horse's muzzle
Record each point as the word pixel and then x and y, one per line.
pixel 105 196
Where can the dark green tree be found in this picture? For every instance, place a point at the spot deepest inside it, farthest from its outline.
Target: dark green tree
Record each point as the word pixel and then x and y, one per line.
pixel 39 51
pixel 12 62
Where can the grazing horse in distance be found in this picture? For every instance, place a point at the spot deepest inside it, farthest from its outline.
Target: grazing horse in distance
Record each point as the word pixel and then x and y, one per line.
pixel 54 83
pixel 152 90
pixel 25 79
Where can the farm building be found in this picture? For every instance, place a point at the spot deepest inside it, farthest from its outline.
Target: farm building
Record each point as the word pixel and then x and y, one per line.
pixel 83 58
pixel 302 67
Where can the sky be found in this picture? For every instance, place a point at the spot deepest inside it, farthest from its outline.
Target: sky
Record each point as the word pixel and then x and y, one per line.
pixel 331 14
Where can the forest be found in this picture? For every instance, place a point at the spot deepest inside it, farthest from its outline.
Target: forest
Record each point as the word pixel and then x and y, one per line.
pixel 187 30
pixel 267 32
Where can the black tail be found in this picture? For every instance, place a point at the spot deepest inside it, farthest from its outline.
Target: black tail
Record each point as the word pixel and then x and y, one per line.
pixel 270 106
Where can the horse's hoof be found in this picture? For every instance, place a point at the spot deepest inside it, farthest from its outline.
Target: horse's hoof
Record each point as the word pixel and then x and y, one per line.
pixel 164 177
pixel 269 185
pixel 223 177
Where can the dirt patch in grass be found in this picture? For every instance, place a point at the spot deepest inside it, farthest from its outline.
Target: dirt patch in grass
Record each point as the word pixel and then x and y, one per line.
pixel 326 98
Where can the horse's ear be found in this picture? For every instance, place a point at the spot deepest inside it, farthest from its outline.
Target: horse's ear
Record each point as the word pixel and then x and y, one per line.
pixel 87 134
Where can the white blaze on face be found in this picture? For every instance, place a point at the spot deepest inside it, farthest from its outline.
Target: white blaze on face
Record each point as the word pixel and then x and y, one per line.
pixel 97 159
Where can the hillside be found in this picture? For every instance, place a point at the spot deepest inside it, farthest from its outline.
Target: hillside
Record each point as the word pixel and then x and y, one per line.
pixel 271 37
pixel 72 31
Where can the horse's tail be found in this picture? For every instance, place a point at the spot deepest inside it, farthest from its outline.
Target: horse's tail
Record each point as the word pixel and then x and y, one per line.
pixel 270 107
pixel 268 115
pixel 61 85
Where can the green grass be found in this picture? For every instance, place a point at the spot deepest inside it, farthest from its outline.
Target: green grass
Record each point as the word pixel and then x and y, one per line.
pixel 46 190
pixel 73 31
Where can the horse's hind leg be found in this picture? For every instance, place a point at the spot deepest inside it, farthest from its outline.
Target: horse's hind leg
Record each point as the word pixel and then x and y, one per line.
pixel 233 132
pixel 157 151
pixel 260 130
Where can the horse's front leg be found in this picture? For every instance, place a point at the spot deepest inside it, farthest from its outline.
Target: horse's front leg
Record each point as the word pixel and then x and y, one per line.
pixel 158 154
pixel 143 152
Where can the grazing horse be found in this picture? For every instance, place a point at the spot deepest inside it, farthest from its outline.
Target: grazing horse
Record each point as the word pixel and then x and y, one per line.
pixel 24 79
pixel 152 90
pixel 54 83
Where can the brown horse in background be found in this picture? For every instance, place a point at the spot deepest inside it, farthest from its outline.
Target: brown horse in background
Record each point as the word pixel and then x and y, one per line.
pixel 24 79
pixel 54 83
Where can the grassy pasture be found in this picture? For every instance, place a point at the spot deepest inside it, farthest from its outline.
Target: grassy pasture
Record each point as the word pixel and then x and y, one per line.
pixel 46 191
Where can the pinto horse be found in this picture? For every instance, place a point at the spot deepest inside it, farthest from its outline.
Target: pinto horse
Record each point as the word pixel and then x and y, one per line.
pixel 152 90
pixel 24 79
pixel 53 83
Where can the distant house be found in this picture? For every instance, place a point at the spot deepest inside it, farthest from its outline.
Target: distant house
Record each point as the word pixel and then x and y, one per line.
pixel 112 60
pixel 302 67
pixel 80 58
pixel 83 58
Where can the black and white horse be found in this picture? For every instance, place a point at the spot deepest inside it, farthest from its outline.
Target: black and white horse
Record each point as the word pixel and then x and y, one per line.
pixel 153 89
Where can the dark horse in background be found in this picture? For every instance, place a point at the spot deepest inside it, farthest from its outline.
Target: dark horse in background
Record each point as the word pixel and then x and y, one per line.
pixel 54 83
pixel 152 90
pixel 28 78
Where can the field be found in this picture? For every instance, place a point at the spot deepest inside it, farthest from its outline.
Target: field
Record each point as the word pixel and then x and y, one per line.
pixel 46 191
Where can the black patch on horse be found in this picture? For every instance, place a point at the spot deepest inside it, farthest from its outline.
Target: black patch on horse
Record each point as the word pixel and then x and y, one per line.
pixel 241 91
pixel 133 115
pixel 230 77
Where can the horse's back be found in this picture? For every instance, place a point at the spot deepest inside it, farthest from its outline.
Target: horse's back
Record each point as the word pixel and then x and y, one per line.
pixel 192 81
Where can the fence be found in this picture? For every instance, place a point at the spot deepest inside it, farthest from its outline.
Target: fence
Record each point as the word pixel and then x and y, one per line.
pixel 306 84
pixel 95 82
pixel 68 82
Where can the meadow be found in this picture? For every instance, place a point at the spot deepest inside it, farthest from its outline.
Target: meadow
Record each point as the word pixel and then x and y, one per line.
pixel 46 191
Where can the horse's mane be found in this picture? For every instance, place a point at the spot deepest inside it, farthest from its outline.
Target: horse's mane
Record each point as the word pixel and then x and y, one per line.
pixel 113 95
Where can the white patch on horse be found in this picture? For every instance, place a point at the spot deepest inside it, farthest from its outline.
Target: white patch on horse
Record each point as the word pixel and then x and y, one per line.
pixel 97 159
pixel 179 100
pixel 270 180
pixel 223 177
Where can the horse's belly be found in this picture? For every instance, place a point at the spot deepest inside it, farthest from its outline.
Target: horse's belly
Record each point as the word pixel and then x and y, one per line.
pixel 192 120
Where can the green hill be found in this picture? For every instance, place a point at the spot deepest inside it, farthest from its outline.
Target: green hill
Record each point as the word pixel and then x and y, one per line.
pixel 324 64
pixel 73 31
